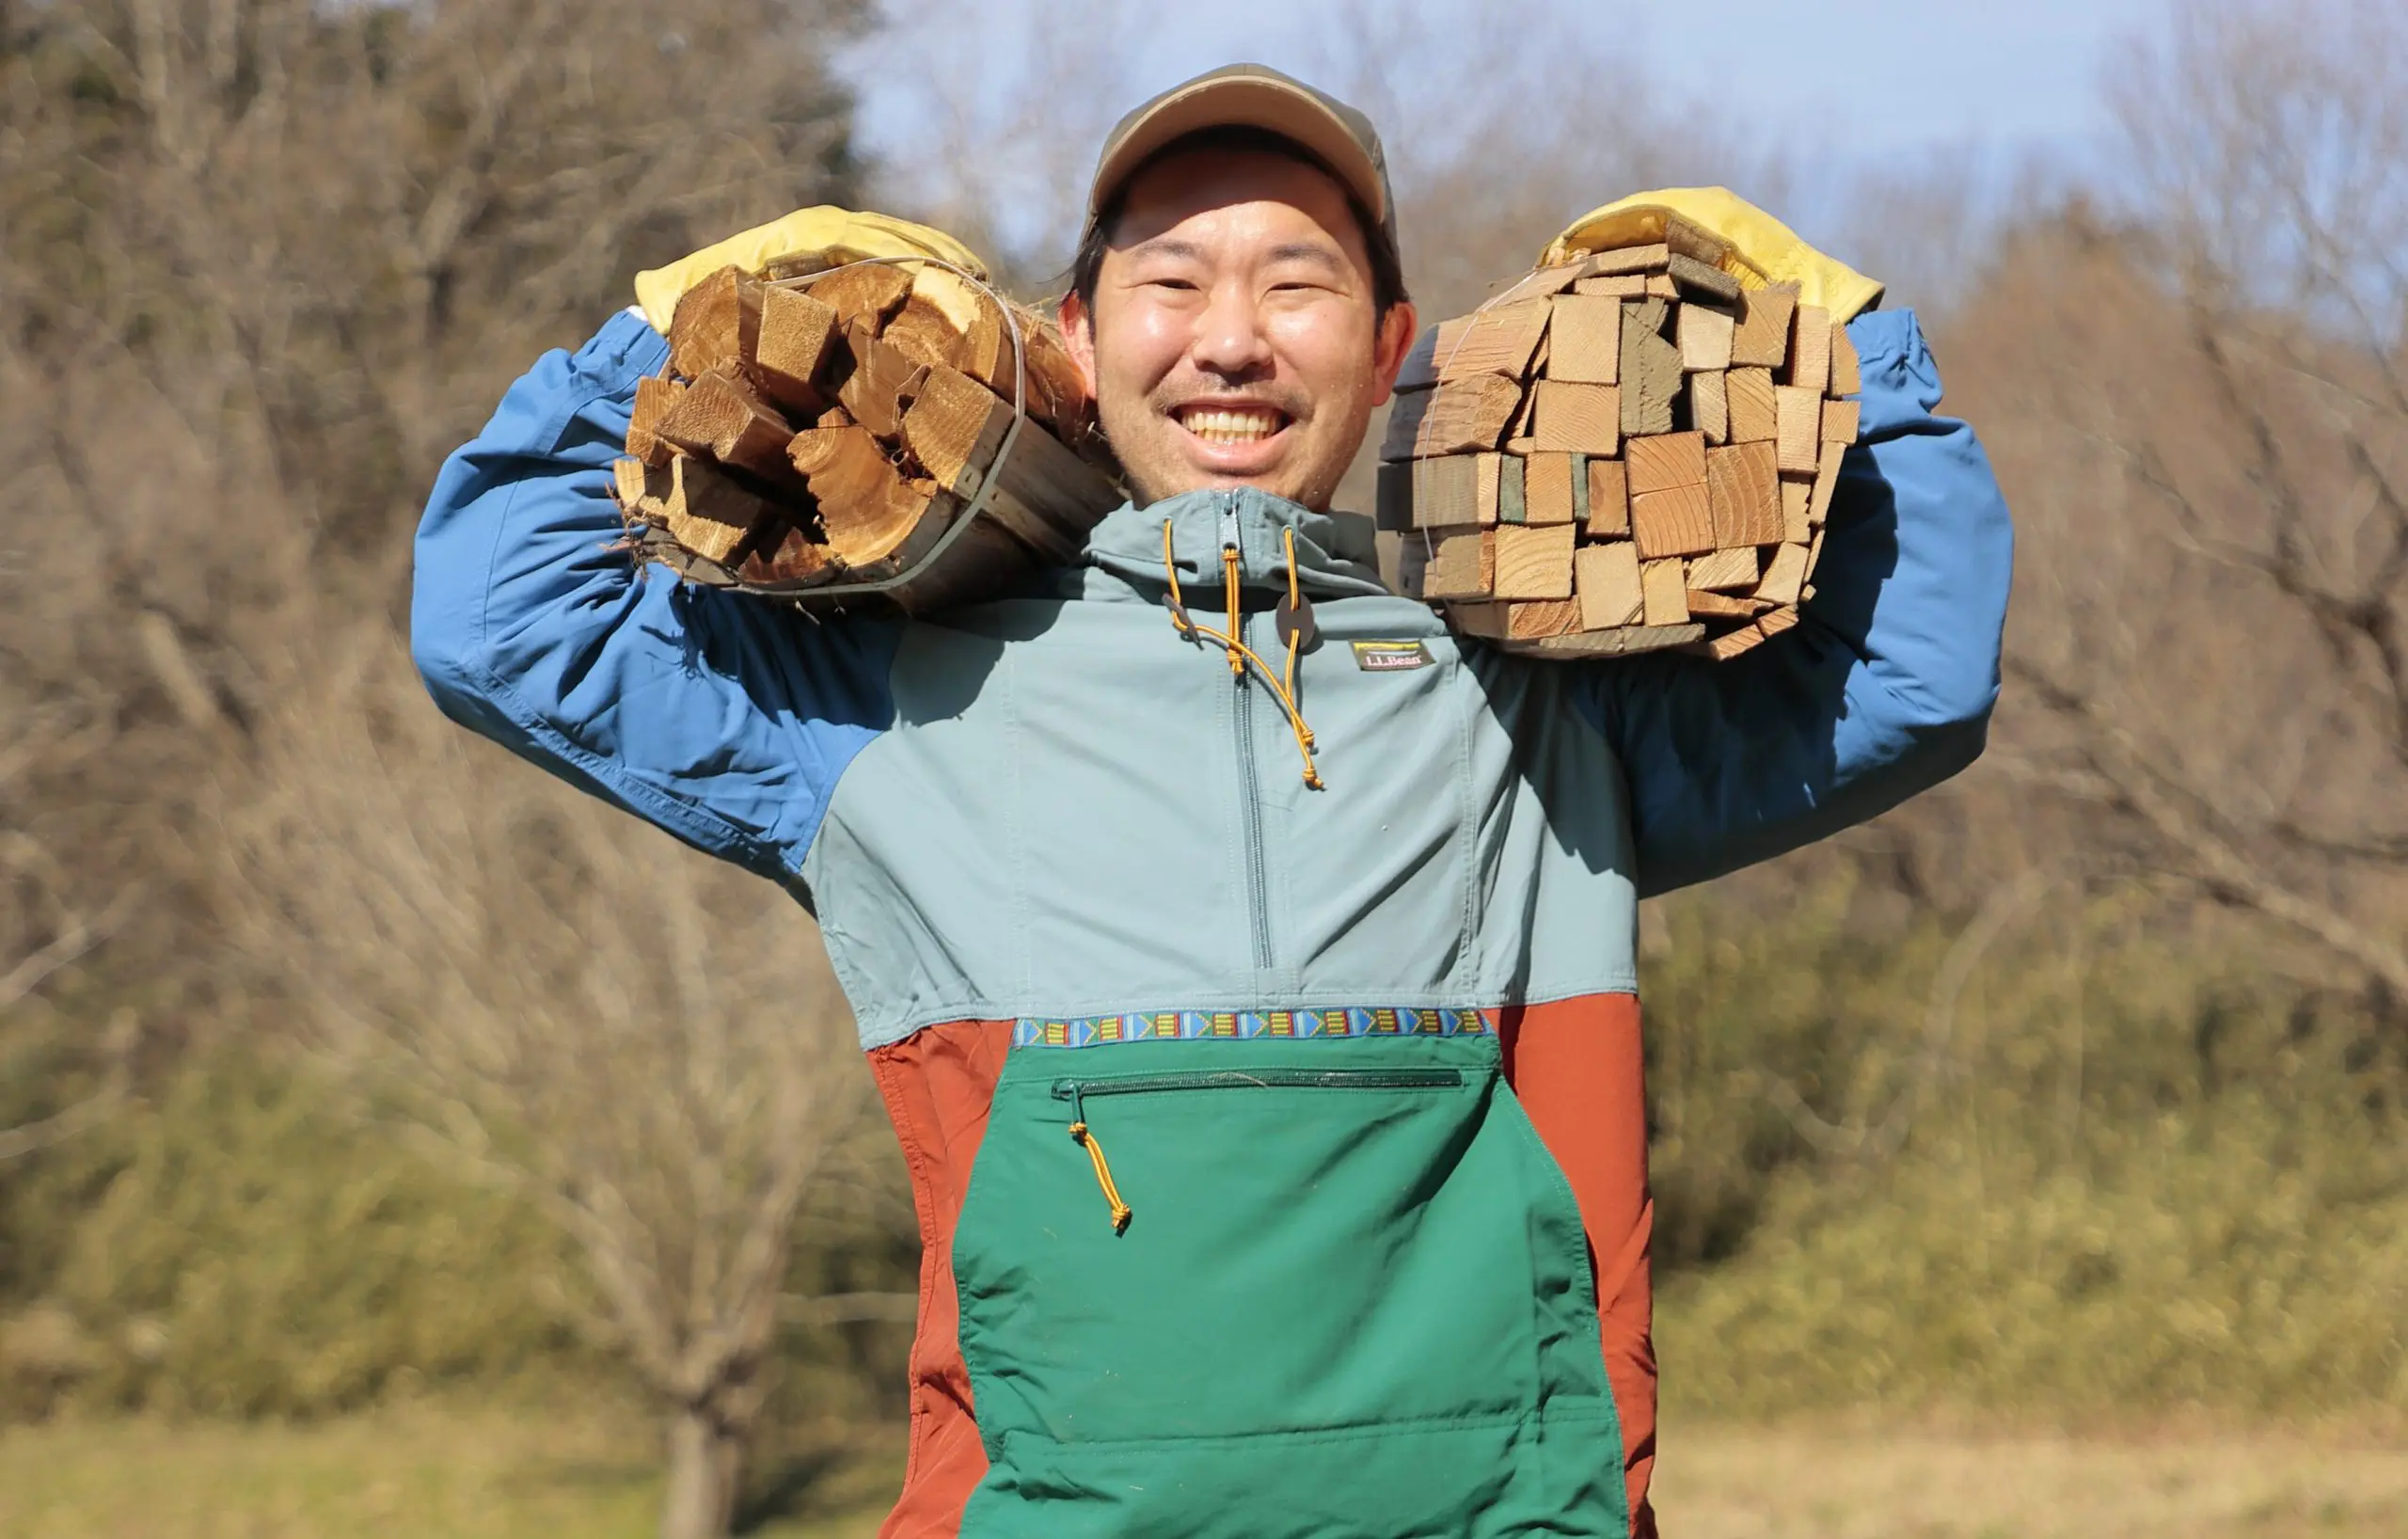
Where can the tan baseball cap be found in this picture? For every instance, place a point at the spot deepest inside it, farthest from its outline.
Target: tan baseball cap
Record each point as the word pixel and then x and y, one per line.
pixel 1253 96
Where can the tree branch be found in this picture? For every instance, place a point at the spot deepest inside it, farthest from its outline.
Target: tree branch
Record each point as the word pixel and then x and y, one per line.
pixel 2212 861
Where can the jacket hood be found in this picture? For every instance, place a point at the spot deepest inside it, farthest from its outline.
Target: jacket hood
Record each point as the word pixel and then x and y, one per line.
pixel 1334 553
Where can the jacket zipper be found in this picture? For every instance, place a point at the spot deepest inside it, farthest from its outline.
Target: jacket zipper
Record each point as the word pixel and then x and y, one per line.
pixel 1076 1092
pixel 1249 783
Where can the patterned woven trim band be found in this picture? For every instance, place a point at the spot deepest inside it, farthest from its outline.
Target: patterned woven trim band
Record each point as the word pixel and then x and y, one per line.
pixel 1244 1026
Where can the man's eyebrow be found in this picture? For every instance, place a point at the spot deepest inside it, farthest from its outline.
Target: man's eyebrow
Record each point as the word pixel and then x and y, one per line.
pixel 1320 256
pixel 1167 246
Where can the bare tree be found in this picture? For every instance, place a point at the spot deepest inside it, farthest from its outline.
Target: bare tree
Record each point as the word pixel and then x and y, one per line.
pixel 46 933
pixel 2220 506
pixel 263 262
pixel 644 1042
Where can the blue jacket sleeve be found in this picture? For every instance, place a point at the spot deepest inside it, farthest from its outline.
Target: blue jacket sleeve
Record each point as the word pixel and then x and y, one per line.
pixel 1882 691
pixel 722 719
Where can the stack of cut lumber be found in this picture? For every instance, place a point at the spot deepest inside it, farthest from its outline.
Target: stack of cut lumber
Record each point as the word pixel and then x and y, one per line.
pixel 1630 451
pixel 815 438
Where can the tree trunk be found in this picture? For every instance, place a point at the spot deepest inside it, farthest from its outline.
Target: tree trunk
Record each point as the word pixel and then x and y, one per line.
pixel 705 1456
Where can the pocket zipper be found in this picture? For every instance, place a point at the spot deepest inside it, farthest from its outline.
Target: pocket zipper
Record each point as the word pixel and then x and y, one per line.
pixel 1075 1091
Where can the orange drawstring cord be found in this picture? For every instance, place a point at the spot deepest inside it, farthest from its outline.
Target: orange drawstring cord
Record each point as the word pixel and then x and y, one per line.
pixel 1284 690
pixel 1121 1212
pixel 1295 641
pixel 1229 586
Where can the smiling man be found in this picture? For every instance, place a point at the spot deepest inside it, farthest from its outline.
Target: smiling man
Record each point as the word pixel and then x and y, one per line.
pixel 1257 314
pixel 1246 962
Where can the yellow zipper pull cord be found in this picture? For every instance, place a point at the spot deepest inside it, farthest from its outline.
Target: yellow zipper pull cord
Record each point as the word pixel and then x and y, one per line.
pixel 1170 570
pixel 1295 639
pixel 1229 581
pixel 1283 690
pixel 1121 1212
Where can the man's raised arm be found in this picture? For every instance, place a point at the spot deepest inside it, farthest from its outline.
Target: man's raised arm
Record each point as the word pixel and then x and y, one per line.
pixel 1885 687
pixel 721 718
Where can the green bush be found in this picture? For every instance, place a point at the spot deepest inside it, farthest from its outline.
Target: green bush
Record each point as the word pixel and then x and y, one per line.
pixel 239 1245
pixel 2215 1261
pixel 2143 1171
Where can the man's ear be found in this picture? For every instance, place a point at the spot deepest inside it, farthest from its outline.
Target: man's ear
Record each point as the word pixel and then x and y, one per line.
pixel 1397 329
pixel 1078 335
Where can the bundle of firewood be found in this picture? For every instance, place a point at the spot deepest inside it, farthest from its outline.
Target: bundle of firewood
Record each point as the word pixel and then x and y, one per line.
pixel 1631 449
pixel 838 439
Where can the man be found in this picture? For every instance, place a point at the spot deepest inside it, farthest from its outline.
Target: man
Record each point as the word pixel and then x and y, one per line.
pixel 1270 1091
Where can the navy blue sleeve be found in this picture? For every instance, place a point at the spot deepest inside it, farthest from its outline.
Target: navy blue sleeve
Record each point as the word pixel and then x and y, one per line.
pixel 723 718
pixel 1885 687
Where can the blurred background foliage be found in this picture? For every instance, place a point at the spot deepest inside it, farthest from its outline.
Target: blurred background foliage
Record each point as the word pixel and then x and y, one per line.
pixel 2075 1089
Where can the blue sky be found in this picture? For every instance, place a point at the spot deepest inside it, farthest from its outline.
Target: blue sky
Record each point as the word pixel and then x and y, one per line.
pixel 1895 78
pixel 1846 92
pixel 1886 77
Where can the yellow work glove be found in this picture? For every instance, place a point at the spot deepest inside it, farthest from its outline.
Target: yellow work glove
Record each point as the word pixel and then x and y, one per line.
pixel 841 234
pixel 1770 251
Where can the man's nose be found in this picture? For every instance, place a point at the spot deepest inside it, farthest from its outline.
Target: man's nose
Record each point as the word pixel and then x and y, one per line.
pixel 1229 339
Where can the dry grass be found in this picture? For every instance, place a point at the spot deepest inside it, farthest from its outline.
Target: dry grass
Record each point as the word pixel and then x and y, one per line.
pixel 429 1474
pixel 1871 1482
pixel 419 1473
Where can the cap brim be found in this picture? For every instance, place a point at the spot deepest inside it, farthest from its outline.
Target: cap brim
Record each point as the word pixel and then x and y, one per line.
pixel 1242 102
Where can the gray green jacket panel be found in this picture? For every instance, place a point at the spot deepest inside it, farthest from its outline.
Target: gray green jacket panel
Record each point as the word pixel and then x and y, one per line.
pixel 1106 821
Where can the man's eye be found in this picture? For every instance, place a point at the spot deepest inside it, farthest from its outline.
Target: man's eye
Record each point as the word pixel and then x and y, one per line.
pixel 1181 284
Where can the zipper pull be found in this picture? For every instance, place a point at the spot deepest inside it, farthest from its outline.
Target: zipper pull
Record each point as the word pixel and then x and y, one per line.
pixel 1121 1212
pixel 1231 558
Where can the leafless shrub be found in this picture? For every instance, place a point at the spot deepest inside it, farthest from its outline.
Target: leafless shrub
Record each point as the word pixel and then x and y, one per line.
pixel 643 1042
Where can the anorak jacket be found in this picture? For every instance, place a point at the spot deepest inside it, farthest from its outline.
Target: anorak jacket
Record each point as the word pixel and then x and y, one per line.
pixel 1278 1151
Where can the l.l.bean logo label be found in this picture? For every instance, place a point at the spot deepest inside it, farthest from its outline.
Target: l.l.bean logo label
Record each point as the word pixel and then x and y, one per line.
pixel 1390 656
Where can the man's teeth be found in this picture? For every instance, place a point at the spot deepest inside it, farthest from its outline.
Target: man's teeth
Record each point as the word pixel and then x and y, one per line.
pixel 1216 425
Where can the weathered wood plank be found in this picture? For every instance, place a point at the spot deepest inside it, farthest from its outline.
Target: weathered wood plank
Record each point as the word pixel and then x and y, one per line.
pixel 1848 376
pixel 1044 494
pixel 795 344
pixel 1534 562
pixel 1677 521
pixel 1584 341
pixel 1701 280
pixel 1651 370
pixel 1798 418
pixel 1755 409
pixel 1710 405
pixel 1762 339
pixel 1743 483
pixel 655 398
pixel 1662 461
pixel 1458 417
pixel 1577 419
pixel 1664 592
pixel 705 511
pixel 1499 339
pixel 1810 350
pixel 1732 569
pixel 1609 500
pixel 716 323
pixel 1608 585
pixel 1786 577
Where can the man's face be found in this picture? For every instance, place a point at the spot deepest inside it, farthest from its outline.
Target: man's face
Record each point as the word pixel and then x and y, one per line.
pixel 1233 339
